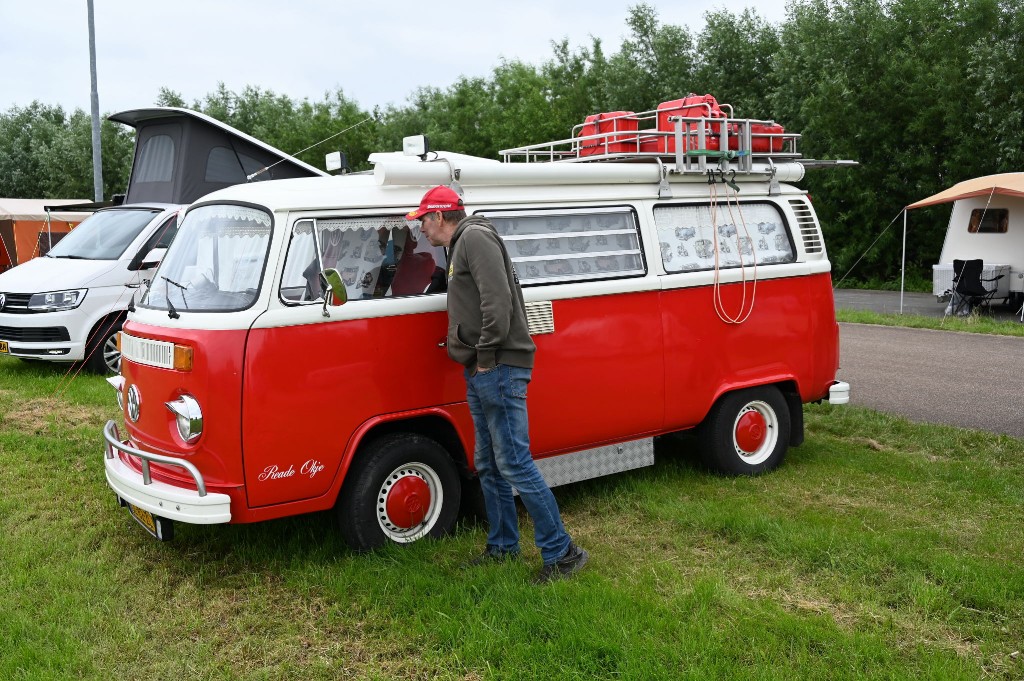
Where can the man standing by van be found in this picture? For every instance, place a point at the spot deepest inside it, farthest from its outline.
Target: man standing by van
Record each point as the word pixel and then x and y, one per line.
pixel 488 335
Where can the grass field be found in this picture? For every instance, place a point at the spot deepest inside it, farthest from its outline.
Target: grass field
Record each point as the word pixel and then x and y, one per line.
pixel 975 323
pixel 880 550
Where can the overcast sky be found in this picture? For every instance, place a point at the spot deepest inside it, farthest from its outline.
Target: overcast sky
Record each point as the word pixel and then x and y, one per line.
pixel 376 52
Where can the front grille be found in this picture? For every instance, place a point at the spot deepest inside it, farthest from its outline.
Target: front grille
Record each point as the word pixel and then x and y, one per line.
pixel 17 303
pixel 41 334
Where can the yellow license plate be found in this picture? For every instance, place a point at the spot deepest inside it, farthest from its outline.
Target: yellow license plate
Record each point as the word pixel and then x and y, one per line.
pixel 155 525
pixel 3 348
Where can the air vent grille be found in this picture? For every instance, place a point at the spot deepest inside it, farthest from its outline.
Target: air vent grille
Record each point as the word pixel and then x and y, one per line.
pixel 810 233
pixel 540 318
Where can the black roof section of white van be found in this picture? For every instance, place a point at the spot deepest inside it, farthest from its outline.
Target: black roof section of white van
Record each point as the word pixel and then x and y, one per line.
pixel 182 155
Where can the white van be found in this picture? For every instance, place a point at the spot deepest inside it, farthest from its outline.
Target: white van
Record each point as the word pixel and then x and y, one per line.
pixel 68 305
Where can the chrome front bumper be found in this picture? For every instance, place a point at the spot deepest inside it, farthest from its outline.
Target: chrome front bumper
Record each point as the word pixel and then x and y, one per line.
pixel 167 501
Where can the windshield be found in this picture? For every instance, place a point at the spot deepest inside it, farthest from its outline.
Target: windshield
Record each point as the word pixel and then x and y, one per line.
pixel 215 262
pixel 104 235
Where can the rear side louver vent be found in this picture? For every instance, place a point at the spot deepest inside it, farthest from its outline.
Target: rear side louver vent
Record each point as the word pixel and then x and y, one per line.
pixel 808 226
pixel 539 318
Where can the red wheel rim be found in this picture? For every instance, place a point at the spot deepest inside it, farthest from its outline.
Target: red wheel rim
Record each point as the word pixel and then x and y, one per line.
pixel 408 502
pixel 751 431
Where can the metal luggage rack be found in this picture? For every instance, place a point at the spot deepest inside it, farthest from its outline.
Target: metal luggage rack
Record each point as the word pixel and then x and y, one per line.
pixel 687 146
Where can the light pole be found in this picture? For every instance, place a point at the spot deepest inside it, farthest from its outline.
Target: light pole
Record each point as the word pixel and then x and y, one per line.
pixel 97 154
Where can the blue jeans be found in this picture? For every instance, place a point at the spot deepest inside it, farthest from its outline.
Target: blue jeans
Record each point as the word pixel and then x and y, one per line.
pixel 497 401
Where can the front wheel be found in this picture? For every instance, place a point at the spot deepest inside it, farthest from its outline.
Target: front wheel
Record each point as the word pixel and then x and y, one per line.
pixel 746 432
pixel 101 353
pixel 400 489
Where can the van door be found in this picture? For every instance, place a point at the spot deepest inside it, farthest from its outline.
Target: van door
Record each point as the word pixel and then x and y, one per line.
pixel 311 382
pixel 596 320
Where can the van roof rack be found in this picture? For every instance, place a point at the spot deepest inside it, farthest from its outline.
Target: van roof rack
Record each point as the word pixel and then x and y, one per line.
pixel 694 135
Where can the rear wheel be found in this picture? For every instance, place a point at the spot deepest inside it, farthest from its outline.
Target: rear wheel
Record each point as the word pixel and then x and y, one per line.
pixel 101 353
pixel 746 432
pixel 401 488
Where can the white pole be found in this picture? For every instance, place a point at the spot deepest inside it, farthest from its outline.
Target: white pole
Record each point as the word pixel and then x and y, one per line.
pixel 903 265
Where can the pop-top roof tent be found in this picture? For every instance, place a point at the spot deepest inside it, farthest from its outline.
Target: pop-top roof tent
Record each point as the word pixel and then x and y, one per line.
pixel 28 230
pixel 181 155
pixel 985 187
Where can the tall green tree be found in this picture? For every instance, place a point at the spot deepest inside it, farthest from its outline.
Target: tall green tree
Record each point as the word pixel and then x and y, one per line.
pixel 46 153
pixel 655 63
pixel 734 61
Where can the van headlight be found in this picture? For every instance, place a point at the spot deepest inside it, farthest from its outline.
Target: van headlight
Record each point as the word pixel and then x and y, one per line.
pixel 188 416
pixel 57 300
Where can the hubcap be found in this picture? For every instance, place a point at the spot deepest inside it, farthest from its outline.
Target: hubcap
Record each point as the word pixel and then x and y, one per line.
pixel 111 355
pixel 755 432
pixel 751 431
pixel 409 502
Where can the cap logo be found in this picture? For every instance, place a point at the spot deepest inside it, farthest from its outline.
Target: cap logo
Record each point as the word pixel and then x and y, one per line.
pixel 3 299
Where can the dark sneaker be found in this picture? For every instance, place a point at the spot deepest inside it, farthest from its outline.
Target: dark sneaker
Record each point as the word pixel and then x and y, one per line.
pixel 488 557
pixel 572 562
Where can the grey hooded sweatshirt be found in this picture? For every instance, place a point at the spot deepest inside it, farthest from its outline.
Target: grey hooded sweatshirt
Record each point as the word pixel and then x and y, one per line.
pixel 486 315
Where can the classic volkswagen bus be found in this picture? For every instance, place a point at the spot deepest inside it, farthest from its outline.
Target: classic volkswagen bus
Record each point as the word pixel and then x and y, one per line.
pixel 289 355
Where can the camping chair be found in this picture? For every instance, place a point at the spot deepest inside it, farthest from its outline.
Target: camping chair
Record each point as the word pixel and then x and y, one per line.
pixel 969 289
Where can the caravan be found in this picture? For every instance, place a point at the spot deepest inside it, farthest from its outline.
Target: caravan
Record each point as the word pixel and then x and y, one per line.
pixel 987 224
pixel 290 355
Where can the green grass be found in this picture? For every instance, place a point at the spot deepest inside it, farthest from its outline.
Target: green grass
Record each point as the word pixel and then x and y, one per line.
pixel 881 549
pixel 974 323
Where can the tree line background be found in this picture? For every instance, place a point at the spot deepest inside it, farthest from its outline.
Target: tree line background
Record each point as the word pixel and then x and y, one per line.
pixel 923 93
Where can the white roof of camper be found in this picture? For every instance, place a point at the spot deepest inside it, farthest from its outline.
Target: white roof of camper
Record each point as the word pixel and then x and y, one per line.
pixel 400 183
pixel 32 209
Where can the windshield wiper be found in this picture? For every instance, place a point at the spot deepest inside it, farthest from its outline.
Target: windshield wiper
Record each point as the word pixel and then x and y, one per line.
pixel 171 312
pixel 69 257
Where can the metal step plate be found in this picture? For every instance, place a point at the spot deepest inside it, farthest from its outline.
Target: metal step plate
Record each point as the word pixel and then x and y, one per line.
pixel 594 463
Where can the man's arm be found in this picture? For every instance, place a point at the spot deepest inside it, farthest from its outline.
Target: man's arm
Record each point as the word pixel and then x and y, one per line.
pixel 487 265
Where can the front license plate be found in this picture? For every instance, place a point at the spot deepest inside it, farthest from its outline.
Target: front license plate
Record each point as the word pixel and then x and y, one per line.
pixel 3 348
pixel 161 528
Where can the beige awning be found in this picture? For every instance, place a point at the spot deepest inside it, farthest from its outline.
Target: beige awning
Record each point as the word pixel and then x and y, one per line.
pixel 32 209
pixel 1005 184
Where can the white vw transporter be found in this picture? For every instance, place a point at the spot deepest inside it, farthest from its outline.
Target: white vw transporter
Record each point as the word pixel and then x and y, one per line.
pixel 69 304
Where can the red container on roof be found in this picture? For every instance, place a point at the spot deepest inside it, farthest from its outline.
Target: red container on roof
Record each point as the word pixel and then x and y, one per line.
pixel 604 124
pixel 691 106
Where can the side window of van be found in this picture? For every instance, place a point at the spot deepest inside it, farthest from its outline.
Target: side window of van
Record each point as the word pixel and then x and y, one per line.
pixel 690 237
pixel 377 257
pixel 165 234
pixel 571 245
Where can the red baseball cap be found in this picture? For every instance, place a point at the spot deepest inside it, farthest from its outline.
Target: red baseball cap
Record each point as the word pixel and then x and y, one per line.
pixel 439 198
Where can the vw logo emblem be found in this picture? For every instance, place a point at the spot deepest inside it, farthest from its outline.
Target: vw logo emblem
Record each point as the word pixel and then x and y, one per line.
pixel 3 299
pixel 134 403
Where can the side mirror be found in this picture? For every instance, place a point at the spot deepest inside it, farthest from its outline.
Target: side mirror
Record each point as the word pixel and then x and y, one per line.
pixel 335 293
pixel 151 259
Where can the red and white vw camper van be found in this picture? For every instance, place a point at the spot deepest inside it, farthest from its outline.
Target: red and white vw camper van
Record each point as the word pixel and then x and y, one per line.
pixel 665 293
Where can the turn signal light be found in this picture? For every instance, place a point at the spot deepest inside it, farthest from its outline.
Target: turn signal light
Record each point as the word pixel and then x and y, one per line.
pixel 182 358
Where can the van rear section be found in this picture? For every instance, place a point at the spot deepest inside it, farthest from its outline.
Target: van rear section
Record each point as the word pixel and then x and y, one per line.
pixel 291 354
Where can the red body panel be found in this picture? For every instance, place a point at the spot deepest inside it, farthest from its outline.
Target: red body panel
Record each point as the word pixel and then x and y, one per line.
pixel 790 335
pixel 216 382
pixel 311 387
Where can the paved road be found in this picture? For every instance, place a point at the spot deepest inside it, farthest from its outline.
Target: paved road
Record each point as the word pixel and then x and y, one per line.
pixel 923 304
pixel 961 379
